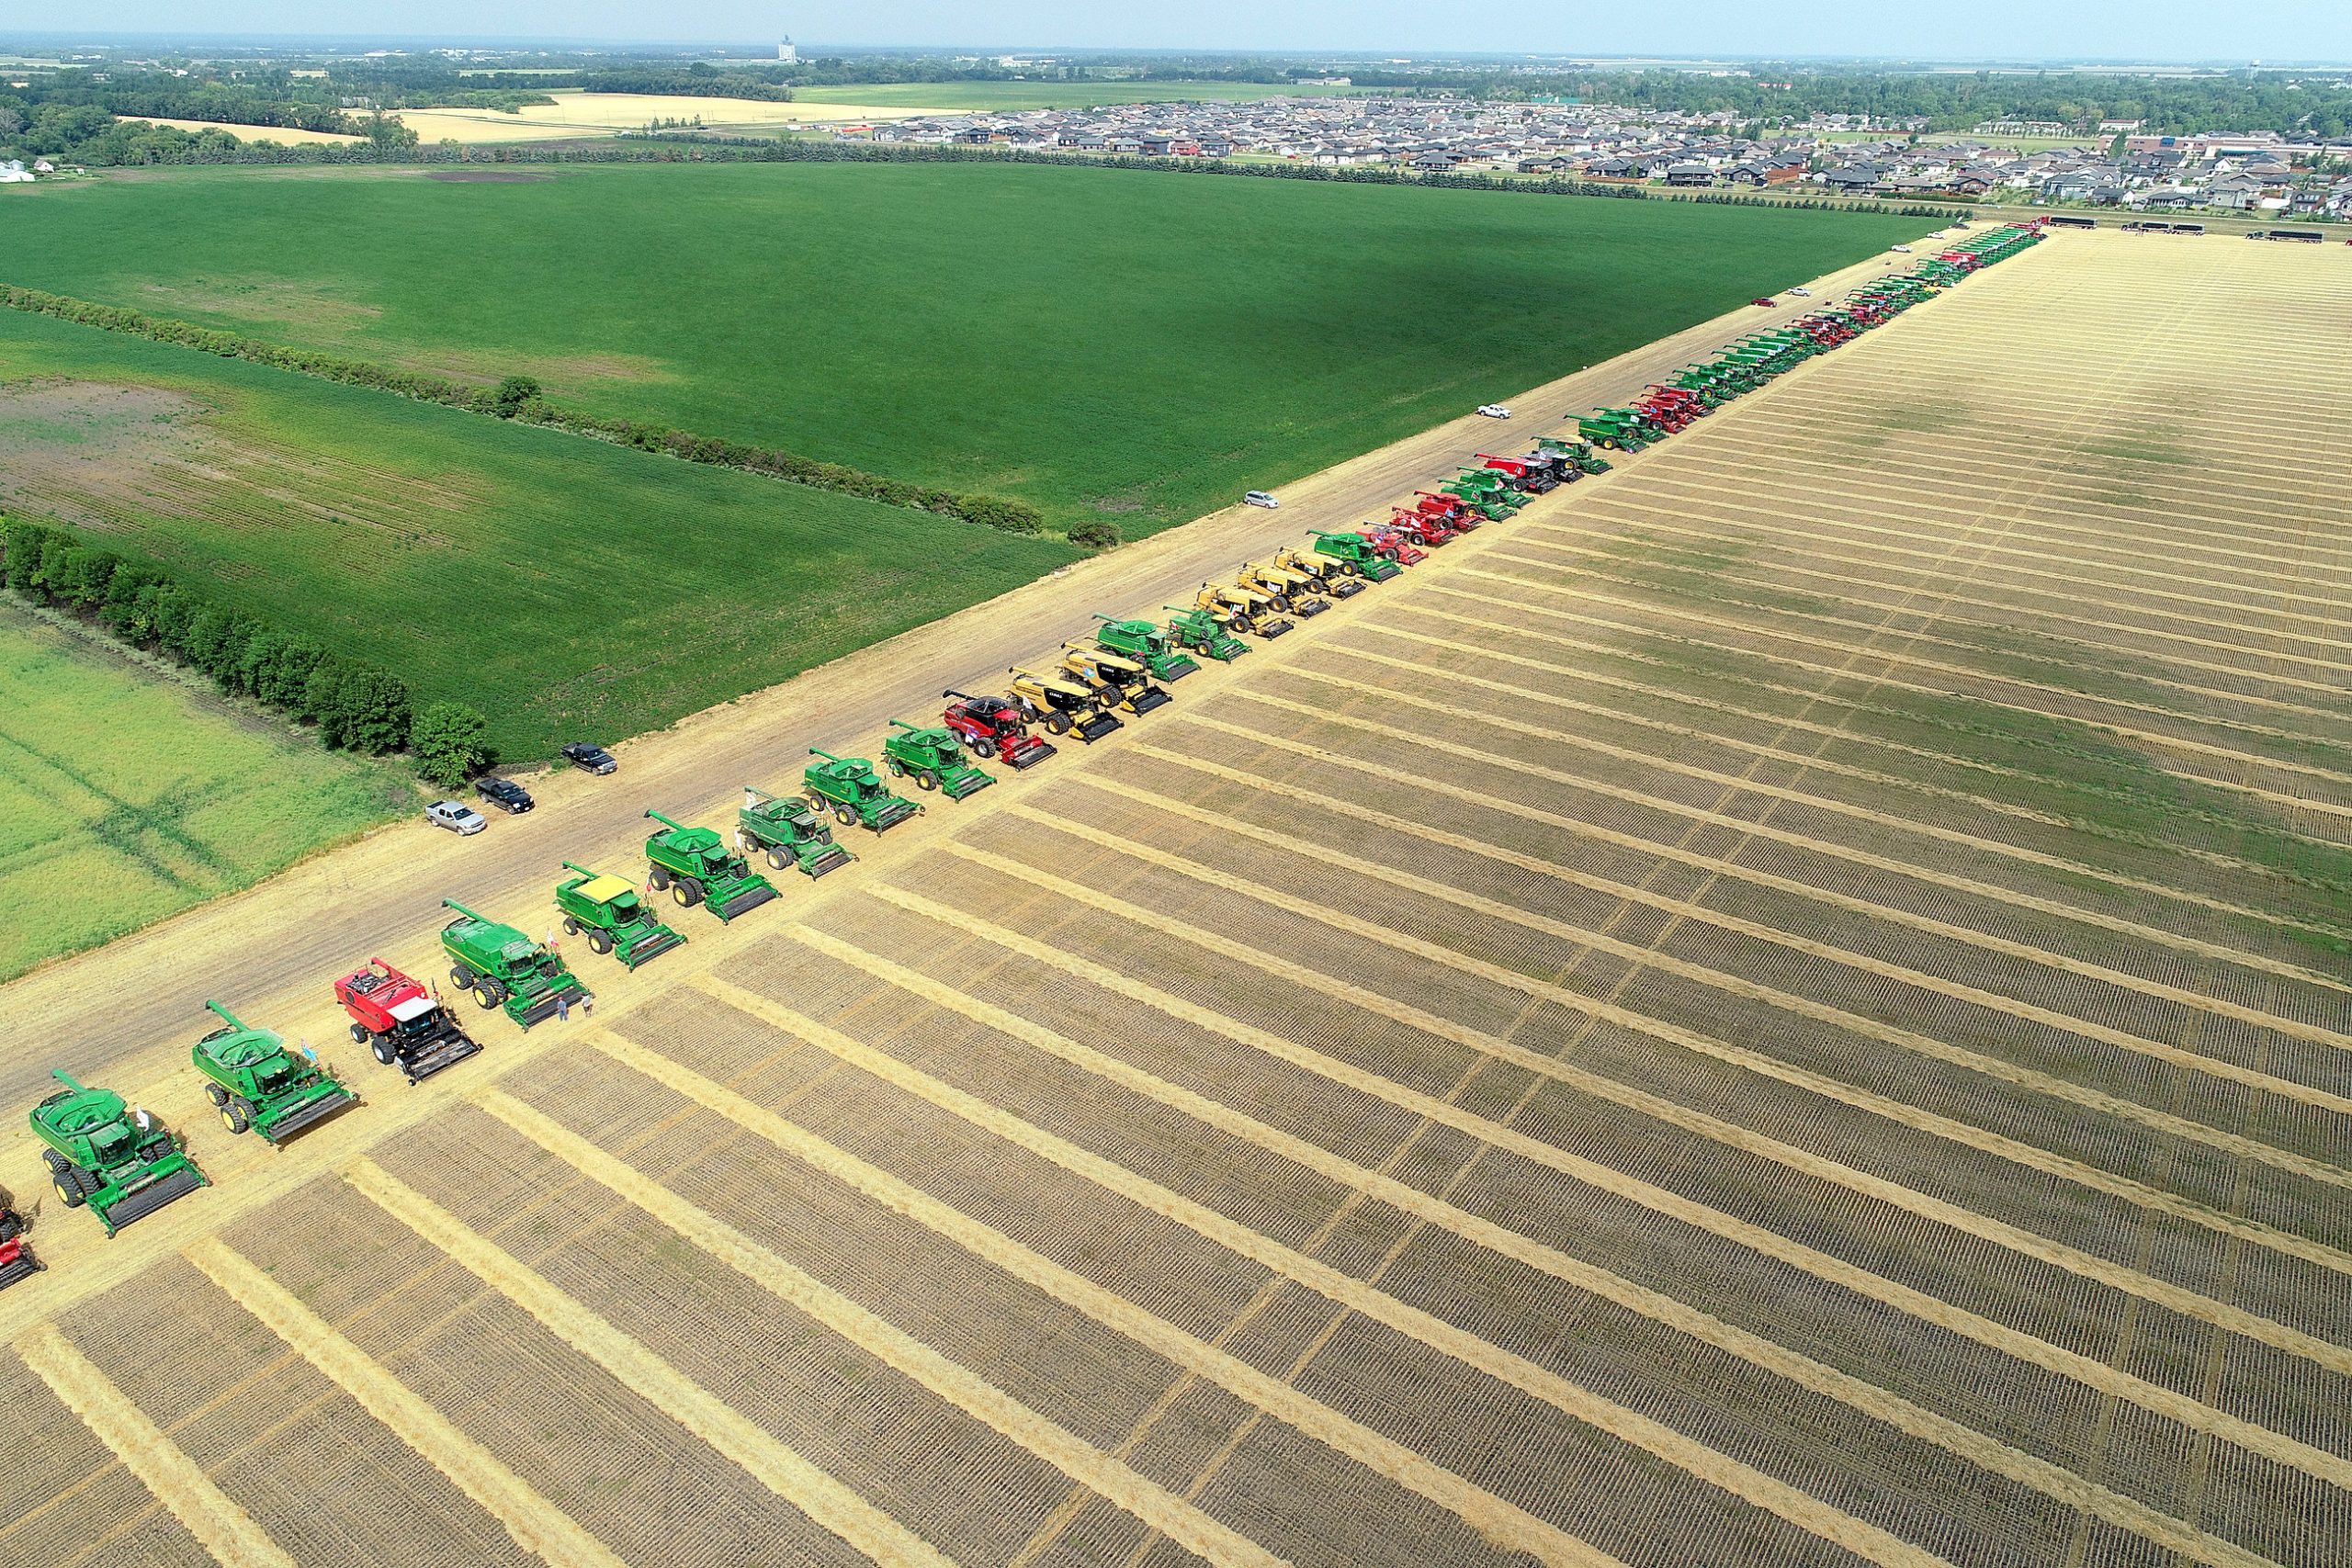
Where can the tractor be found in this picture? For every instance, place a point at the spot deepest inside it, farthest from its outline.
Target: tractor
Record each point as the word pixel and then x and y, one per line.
pixel 400 1023
pixel 1454 511
pixel 1117 681
pixel 259 1085
pixel 1618 430
pixel 1536 478
pixel 1204 634
pixel 994 727
pixel 120 1163
pixel 1241 609
pixel 790 834
pixel 1326 571
pixel 847 787
pixel 1579 453
pixel 1392 546
pixel 613 915
pixel 505 969
pixel 1299 592
pixel 694 865
pixel 1147 644
pixel 1428 532
pixel 1354 556
pixel 934 758
pixel 1061 706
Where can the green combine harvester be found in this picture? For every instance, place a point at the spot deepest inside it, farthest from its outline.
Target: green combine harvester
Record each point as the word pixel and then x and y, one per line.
pixel 257 1084
pixel 612 915
pixel 694 865
pixel 783 829
pixel 1580 453
pixel 846 787
pixel 1204 634
pixel 505 969
pixel 1147 644
pixel 1355 555
pixel 1619 430
pixel 934 758
pixel 1485 500
pixel 119 1164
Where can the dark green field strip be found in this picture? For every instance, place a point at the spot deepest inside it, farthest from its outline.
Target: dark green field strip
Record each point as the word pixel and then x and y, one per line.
pixel 1175 341
pixel 564 586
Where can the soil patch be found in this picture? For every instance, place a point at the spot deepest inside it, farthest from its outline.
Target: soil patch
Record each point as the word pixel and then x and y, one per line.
pixel 485 176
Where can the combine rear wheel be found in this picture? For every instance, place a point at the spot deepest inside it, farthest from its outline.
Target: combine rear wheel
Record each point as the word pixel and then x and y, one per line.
pixel 897 768
pixel 570 926
pixel 660 877
pixel 359 1034
pixel 462 977
pixel 217 1095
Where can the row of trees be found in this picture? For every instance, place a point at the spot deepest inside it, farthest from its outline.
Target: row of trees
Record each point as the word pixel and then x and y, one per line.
pixel 519 398
pixel 353 706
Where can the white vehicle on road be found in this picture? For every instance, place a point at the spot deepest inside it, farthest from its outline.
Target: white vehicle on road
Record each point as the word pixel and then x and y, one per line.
pixel 1800 293
pixel 1260 498
pixel 455 816
pixel 1900 249
pixel 1494 411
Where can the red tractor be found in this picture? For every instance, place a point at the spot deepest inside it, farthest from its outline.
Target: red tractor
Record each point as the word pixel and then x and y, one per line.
pixel 1387 544
pixel 1526 473
pixel 1452 510
pixel 1420 527
pixel 401 1022
pixel 993 727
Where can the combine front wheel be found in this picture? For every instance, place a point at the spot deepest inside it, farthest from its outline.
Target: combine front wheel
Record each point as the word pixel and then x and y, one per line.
pixel 599 944
pixel 926 779
pixel 1057 723
pixel 380 1047
pixel 778 859
pixel 983 747
pixel 687 891
pixel 489 993
pixel 237 1115
pixel 845 815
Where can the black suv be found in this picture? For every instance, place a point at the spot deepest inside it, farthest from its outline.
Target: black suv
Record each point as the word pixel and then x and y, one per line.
pixel 595 758
pixel 504 794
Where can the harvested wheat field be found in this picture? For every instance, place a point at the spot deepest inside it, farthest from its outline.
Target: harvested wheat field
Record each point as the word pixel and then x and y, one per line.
pixel 1784 1007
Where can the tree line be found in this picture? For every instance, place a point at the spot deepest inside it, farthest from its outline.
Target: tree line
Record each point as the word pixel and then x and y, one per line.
pixel 351 704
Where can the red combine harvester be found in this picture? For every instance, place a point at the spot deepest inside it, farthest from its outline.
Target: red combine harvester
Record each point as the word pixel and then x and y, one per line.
pixel 1669 417
pixel 1692 405
pixel 1527 473
pixel 1455 512
pixel 1390 546
pixel 399 1021
pixel 1422 528
pixel 992 726
pixel 17 1260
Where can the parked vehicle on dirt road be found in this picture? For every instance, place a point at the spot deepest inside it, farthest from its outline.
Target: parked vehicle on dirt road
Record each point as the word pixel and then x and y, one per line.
pixel 455 816
pixel 592 758
pixel 504 794
pixel 1494 411
pixel 1260 498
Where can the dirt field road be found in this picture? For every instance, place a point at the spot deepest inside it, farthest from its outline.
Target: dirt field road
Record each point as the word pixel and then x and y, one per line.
pixel 122 1014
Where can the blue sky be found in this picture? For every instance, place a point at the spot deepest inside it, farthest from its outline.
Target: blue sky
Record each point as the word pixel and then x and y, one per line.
pixel 2110 30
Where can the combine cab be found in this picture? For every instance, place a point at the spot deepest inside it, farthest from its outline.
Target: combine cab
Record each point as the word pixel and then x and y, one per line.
pixel 1118 682
pixel 259 1085
pixel 1299 594
pixel 1354 556
pixel 1329 578
pixel 696 867
pixel 612 915
pixel 505 969
pixel 847 787
pixel 1241 609
pixel 934 758
pixel 790 834
pixel 401 1023
pixel 117 1162
pixel 1204 634
pixel 1147 644
pixel 995 727
pixel 1063 708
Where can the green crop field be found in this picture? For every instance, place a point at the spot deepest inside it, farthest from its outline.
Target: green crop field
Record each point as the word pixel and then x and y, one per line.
pixel 567 587
pixel 1143 347
pixel 126 797
pixel 1013 96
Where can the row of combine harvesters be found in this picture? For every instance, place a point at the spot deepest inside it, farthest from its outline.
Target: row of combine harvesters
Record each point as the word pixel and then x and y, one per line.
pixel 1741 367
pixel 122 1164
